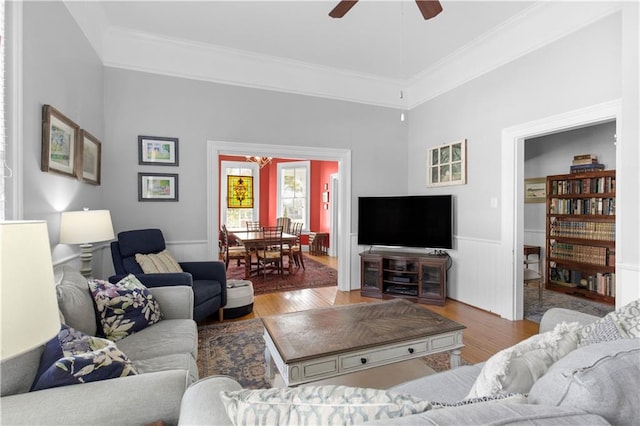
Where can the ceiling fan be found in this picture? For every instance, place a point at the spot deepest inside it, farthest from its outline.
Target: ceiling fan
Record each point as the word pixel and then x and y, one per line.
pixel 428 8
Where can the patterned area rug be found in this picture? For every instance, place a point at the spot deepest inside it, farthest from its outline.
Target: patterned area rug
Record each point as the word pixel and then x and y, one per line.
pixel 236 349
pixel 315 274
pixel 533 309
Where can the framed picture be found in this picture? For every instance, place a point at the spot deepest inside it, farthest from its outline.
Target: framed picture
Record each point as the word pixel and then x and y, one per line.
pixel 59 143
pixel 157 151
pixel 157 187
pixel 90 153
pixel 535 190
pixel 447 164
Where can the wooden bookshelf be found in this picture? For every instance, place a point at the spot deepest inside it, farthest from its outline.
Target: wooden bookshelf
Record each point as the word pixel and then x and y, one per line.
pixel 581 234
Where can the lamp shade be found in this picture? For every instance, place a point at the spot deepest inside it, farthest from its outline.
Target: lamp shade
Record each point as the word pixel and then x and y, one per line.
pixel 29 314
pixel 86 226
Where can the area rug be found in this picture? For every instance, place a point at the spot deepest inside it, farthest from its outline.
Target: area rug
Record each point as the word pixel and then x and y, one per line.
pixel 236 349
pixel 533 309
pixel 315 274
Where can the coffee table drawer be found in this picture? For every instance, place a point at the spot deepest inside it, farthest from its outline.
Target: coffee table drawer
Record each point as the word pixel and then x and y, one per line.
pixel 382 355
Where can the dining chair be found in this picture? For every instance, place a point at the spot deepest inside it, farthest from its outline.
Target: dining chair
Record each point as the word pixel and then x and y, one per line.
pixel 295 251
pixel 285 222
pixel 254 226
pixel 270 250
pixel 239 253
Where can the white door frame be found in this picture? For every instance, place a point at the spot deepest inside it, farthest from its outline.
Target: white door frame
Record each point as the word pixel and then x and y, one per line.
pixel 334 213
pixel 512 227
pixel 343 198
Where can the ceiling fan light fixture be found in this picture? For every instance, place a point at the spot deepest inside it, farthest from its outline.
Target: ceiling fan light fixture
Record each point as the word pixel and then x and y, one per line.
pixel 428 8
pixel 342 8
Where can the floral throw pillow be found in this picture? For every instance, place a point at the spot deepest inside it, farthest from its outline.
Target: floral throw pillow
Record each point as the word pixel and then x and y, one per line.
pixel 73 357
pixel 125 307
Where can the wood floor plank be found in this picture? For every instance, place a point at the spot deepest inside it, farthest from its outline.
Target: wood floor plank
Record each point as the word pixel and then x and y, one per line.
pixel 485 335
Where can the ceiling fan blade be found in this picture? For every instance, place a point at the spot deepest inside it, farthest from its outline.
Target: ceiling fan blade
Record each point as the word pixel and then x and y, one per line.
pixel 429 8
pixel 342 8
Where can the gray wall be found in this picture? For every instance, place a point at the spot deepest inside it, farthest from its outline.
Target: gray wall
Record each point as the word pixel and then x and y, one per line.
pixel 195 111
pixel 556 78
pixel 60 68
pixel 591 66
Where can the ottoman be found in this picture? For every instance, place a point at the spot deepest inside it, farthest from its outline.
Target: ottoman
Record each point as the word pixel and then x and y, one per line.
pixel 239 298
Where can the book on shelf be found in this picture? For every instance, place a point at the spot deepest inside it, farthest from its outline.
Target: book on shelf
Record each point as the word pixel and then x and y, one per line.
pixel 585 157
pixel 579 160
pixel 601 283
pixel 584 168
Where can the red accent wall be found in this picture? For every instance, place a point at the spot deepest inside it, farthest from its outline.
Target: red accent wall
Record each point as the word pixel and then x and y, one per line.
pixel 321 172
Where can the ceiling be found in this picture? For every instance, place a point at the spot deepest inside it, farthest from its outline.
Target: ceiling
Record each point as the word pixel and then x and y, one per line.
pixel 380 53
pixel 384 38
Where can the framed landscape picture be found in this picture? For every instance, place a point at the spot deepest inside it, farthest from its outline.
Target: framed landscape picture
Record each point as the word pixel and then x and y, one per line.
pixel 159 151
pixel 59 142
pixel 157 187
pixel 535 190
pixel 90 152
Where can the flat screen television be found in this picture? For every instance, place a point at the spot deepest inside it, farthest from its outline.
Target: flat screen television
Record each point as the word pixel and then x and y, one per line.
pixel 406 221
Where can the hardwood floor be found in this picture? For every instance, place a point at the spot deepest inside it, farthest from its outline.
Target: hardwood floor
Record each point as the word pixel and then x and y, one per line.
pixel 485 334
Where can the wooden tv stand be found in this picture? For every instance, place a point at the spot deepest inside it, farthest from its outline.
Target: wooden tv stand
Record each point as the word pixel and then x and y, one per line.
pixel 418 277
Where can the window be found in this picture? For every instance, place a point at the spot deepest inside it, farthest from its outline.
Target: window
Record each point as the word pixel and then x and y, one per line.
pixel 293 191
pixel 236 218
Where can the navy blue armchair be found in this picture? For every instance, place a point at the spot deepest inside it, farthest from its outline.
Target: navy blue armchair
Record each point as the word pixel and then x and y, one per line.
pixel 207 279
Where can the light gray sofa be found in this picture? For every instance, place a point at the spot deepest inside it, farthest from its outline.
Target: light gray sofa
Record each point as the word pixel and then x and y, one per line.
pixel 163 354
pixel 615 390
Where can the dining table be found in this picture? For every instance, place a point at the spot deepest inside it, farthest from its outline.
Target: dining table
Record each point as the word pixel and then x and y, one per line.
pixel 251 240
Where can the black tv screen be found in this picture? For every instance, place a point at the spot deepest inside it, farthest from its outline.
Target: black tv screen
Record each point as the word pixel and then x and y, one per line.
pixel 406 221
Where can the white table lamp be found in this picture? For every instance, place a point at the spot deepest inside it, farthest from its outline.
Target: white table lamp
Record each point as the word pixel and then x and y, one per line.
pixel 86 227
pixel 29 315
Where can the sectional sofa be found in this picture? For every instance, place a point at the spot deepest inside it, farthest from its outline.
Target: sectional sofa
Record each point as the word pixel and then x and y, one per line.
pixel 595 384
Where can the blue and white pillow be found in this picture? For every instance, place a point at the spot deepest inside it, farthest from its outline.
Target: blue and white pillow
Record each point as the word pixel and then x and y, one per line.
pixel 125 307
pixel 318 405
pixel 73 357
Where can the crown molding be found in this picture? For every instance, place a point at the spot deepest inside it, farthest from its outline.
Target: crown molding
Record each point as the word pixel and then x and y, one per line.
pixel 533 28
pixel 145 52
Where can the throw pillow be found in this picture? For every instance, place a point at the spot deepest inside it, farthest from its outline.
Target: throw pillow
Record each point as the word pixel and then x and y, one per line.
pixel 623 323
pixel 516 369
pixel 321 405
pixel 125 307
pixel 158 263
pixel 602 378
pixel 73 357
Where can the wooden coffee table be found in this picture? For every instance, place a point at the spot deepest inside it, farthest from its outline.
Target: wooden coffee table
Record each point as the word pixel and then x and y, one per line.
pixel 322 343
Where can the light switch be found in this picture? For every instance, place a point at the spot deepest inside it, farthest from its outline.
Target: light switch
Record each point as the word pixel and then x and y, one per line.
pixel 494 202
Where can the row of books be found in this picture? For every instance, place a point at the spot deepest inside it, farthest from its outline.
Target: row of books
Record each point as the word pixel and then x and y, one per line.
pixel 599 185
pixel 603 231
pixel 601 283
pixel 578 253
pixel 585 163
pixel 592 206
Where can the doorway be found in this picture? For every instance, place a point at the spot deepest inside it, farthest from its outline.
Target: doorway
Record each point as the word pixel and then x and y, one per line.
pixel 342 195
pixel 512 160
